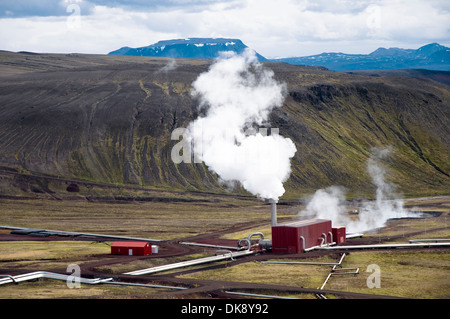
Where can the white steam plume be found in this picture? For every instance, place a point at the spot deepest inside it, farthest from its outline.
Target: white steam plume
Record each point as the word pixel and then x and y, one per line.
pixel 238 93
pixel 375 214
pixel 170 66
pixel 329 203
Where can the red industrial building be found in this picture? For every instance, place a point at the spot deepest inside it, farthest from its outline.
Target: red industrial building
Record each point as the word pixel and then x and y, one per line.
pixel 295 237
pixel 131 248
pixel 339 234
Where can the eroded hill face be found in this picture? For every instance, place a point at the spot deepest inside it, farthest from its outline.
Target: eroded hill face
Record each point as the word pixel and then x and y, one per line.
pixel 109 119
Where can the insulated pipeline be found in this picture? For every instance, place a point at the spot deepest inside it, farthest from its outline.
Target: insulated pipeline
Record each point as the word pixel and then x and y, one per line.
pixel 249 244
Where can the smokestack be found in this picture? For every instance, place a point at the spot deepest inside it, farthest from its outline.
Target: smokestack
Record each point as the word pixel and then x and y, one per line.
pixel 273 211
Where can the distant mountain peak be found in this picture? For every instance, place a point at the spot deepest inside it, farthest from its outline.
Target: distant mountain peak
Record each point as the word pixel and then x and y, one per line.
pixel 430 49
pixel 196 48
pixel 390 52
pixel 432 56
pixel 211 41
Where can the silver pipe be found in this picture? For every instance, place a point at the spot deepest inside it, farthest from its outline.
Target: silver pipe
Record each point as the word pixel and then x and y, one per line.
pixel 68 233
pixel 353 235
pixel 322 242
pixel 307 262
pixel 249 244
pixel 303 243
pixel 255 234
pixel 55 276
pixel 326 280
pixel 256 295
pixel 209 245
pixel 225 251
pixel 431 239
pixel 299 263
pixel 10 277
pixel 142 285
pixel 342 258
pixel 332 270
pixel 346 273
pixel 331 236
pixel 48 275
pixel 341 269
pixel 188 263
pixel 325 237
pixel 412 245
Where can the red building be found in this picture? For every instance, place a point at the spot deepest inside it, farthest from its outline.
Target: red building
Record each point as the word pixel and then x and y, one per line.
pixel 131 248
pixel 296 236
pixel 339 234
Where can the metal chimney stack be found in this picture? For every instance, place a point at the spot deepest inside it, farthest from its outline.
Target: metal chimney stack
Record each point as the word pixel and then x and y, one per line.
pixel 273 211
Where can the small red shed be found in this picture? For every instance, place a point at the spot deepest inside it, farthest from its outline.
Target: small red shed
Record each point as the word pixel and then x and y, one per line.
pixel 292 237
pixel 339 234
pixel 131 248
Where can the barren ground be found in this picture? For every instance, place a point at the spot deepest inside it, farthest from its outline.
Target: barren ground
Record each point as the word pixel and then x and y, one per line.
pixel 215 224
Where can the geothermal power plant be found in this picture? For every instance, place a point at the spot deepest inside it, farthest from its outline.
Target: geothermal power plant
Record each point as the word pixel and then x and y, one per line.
pixel 262 172
pixel 303 235
pixel 290 238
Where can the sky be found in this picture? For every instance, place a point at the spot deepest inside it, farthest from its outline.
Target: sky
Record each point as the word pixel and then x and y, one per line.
pixel 282 28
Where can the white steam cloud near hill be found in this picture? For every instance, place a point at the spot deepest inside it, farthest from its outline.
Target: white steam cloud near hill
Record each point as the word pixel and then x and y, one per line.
pixel 238 94
pixel 329 203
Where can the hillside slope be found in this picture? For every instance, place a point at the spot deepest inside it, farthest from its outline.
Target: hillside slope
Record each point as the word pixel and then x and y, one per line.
pixel 109 119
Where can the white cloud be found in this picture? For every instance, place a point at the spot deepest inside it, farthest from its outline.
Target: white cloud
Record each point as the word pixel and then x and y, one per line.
pixel 417 20
pixel 104 30
pixel 273 28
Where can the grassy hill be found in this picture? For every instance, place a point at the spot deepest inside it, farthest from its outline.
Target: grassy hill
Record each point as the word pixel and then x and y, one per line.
pixel 108 119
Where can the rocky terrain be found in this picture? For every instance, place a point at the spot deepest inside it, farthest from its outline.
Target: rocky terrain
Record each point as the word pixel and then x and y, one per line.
pixel 108 119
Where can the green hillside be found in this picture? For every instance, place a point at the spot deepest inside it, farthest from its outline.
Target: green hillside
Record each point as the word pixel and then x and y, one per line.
pixel 109 119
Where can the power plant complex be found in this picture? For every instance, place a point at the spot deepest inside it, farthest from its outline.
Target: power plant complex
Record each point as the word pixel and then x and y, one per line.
pixel 300 236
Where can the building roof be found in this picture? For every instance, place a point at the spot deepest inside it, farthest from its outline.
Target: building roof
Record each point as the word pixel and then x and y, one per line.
pixel 130 244
pixel 305 222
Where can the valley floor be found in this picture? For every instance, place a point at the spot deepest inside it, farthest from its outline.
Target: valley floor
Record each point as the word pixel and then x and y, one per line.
pixel 221 222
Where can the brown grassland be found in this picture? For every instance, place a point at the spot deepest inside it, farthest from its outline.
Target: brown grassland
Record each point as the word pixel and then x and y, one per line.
pixel 402 270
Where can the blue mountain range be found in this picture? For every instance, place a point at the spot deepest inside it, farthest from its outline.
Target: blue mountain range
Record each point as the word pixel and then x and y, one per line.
pixel 431 56
pixel 192 48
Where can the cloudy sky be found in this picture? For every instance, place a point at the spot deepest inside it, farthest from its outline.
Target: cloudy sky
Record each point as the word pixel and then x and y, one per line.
pixel 273 28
